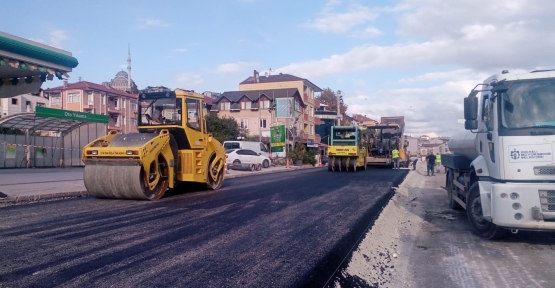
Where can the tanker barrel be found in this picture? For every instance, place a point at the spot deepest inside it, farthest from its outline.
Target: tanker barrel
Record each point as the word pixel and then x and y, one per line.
pixel 464 144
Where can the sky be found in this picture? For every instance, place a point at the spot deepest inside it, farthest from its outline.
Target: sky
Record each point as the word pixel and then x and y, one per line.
pixel 412 58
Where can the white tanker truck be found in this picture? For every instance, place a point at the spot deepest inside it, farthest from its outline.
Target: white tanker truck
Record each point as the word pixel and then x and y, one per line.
pixel 502 170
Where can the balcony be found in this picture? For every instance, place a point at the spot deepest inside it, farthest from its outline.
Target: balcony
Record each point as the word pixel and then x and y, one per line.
pixel 318 139
pixel 316 104
pixel 88 106
pixel 235 107
pixel 112 109
pixel 305 117
pixel 114 126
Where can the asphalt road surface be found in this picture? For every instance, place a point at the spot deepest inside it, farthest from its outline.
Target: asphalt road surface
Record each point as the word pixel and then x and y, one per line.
pixel 287 229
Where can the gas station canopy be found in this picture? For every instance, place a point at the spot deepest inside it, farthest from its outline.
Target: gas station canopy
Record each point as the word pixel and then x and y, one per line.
pixel 25 65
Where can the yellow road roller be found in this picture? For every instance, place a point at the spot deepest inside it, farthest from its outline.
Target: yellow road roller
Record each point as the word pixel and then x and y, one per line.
pixel 171 149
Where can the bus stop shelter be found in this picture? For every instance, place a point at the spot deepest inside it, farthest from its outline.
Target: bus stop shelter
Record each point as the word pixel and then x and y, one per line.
pixel 73 131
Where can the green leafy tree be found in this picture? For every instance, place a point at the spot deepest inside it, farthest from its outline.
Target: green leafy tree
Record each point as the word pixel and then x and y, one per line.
pixel 223 129
pixel 329 97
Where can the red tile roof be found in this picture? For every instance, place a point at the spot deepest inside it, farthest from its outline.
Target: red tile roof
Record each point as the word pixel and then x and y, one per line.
pixel 84 85
pixel 208 100
pixel 362 118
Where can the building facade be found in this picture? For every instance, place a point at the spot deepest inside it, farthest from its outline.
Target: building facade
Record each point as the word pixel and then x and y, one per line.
pixel 253 110
pixel 22 103
pixel 89 97
pixel 307 92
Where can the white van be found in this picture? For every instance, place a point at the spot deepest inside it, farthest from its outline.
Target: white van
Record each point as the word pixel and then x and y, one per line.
pixel 257 147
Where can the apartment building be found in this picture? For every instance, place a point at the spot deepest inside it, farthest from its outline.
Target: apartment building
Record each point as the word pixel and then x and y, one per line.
pixel 22 103
pixel 252 109
pixel 89 97
pixel 307 91
pixel 363 121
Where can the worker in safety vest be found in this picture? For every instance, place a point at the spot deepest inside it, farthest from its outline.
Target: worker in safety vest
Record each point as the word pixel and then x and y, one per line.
pixel 438 161
pixel 395 157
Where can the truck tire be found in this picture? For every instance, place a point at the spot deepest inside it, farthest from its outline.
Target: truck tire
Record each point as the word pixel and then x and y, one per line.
pixel 479 225
pixel 450 187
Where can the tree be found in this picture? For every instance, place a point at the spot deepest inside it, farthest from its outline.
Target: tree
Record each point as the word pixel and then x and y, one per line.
pixel 223 129
pixel 329 98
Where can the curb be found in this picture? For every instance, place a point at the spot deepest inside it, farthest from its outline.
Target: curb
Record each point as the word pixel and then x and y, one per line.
pixel 12 200
pixel 269 172
pixel 42 197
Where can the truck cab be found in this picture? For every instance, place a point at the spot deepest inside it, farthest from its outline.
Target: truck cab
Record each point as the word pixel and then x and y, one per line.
pixel 502 169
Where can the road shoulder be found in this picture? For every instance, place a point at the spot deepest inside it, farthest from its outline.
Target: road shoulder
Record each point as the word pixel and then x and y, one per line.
pixel 418 241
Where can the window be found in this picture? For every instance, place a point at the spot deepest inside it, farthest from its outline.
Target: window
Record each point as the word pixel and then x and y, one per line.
pixel 133 122
pixel 124 122
pixel 311 111
pixel 123 103
pixel 311 129
pixel 262 122
pixel 40 104
pixel 90 98
pixel 246 105
pixel 115 121
pixel 225 106
pixel 55 100
pixel 193 113
pixel 73 98
pixel 133 105
pixel 263 147
pixel 245 123
pixel 116 103
pixel 265 104
pixel 232 145
pixel 14 101
pixel 103 96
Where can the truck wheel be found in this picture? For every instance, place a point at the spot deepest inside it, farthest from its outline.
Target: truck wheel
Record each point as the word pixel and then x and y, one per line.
pixel 450 190
pixel 330 164
pixel 479 225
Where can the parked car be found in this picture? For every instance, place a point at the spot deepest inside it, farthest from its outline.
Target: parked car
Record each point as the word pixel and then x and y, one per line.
pixel 247 156
pixel 257 147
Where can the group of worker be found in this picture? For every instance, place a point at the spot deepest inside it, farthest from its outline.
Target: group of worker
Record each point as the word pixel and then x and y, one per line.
pixel 432 161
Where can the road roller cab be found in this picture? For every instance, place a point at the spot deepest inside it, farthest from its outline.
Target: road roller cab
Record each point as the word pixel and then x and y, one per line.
pixel 172 148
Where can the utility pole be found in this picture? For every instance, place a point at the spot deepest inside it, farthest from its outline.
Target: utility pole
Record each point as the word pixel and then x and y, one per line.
pixel 338 94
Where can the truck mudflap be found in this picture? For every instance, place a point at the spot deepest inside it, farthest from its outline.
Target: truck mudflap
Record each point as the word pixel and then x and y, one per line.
pixel 529 206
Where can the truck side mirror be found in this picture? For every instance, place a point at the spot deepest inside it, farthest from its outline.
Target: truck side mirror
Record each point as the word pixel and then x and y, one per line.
pixel 471 111
pixel 471 107
pixel 471 124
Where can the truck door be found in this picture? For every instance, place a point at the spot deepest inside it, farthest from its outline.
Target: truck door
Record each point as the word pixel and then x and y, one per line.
pixel 487 133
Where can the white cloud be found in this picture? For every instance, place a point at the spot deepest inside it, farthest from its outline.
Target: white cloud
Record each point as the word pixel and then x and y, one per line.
pixel 55 40
pixel 235 67
pixel 329 21
pixel 366 33
pixel 57 37
pixel 433 109
pixel 180 50
pixel 151 22
pixel 440 76
pixel 188 80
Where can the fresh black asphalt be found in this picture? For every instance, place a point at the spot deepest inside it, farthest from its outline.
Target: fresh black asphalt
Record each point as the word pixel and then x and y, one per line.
pixel 289 229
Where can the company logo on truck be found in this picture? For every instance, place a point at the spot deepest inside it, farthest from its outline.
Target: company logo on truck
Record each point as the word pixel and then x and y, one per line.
pixel 531 153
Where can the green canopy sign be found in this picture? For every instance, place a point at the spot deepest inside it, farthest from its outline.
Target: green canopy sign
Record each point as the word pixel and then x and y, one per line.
pixel 70 115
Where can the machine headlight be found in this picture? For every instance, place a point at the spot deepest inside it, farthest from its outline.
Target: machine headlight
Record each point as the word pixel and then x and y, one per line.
pixel 132 152
pixel 92 152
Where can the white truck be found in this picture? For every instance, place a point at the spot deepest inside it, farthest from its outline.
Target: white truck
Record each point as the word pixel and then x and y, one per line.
pixel 502 169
